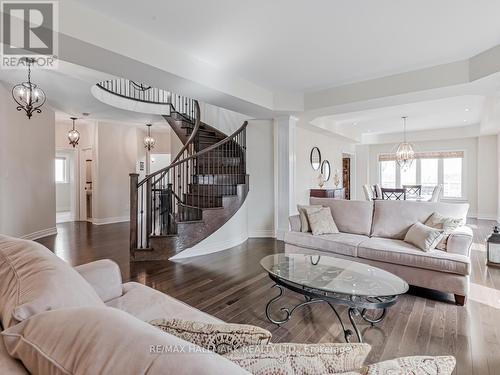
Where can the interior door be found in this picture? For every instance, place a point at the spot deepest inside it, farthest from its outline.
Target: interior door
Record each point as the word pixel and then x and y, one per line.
pixel 346 176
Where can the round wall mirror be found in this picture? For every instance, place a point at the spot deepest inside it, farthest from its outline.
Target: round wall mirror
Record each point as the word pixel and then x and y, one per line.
pixel 326 170
pixel 315 158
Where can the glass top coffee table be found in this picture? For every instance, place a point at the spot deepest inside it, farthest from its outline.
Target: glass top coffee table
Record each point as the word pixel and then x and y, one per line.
pixel 319 278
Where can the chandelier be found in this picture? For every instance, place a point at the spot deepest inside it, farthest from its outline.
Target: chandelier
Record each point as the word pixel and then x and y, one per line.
pixel 405 153
pixel 73 135
pixel 149 141
pixel 27 95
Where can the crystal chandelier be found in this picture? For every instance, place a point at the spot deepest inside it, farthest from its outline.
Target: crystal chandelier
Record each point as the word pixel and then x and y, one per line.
pixel 149 141
pixel 27 95
pixel 405 154
pixel 73 135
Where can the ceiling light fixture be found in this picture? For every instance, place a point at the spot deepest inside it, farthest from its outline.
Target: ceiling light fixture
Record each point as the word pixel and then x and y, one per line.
pixel 73 134
pixel 149 141
pixel 27 95
pixel 467 109
pixel 405 154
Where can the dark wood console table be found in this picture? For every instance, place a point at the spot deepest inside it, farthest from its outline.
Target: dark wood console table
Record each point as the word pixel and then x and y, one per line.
pixel 327 193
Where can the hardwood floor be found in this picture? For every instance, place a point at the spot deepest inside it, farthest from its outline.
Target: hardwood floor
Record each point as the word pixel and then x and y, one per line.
pixel 232 286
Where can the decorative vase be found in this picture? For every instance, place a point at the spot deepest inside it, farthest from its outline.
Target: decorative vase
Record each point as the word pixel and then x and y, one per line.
pixel 321 180
pixel 336 178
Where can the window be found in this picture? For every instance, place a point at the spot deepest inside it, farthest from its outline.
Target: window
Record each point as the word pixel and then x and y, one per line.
pixel 452 177
pixel 388 174
pixel 429 175
pixel 429 170
pixel 61 175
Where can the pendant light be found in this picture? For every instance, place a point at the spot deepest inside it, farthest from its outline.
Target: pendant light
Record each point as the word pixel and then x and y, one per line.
pixel 405 153
pixel 27 95
pixel 149 141
pixel 73 135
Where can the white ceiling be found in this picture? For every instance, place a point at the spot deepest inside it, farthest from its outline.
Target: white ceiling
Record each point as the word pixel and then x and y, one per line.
pixel 437 114
pixel 302 45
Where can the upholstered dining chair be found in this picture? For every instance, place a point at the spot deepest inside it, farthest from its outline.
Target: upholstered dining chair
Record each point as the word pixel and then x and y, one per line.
pixel 437 193
pixel 397 194
pixel 367 189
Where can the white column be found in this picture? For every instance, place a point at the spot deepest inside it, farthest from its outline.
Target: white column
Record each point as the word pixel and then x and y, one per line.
pixel 284 166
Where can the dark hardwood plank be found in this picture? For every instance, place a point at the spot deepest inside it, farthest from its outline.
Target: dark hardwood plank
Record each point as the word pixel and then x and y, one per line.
pixel 232 286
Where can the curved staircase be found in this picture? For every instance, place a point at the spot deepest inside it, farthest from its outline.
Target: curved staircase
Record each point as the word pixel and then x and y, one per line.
pixel 175 208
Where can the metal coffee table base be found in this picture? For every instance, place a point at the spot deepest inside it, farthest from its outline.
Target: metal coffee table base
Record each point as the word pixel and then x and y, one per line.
pixel 358 306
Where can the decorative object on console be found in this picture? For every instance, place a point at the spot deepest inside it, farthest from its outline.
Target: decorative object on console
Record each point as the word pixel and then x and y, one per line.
pixel 423 236
pixel 219 338
pixel 446 224
pixel 315 158
pixel 321 221
pixel 405 153
pixel 27 95
pixel 321 180
pixel 493 248
pixel 305 359
pixel 149 141
pixel 73 134
pixel 336 178
pixel 326 170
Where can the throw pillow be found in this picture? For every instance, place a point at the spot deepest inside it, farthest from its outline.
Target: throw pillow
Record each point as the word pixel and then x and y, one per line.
pixel 423 237
pixel 105 340
pixel 409 365
pixel 446 224
pixel 304 222
pixel 321 221
pixel 303 359
pixel 219 338
pixel 35 280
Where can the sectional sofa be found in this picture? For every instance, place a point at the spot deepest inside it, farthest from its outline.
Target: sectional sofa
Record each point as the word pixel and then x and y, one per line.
pixel 372 232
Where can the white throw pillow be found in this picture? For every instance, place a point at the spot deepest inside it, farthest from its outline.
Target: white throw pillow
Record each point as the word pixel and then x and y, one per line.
pixel 423 237
pixel 321 221
pixel 446 224
pixel 304 222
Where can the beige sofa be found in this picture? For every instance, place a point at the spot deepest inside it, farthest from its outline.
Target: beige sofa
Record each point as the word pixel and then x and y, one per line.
pixel 372 232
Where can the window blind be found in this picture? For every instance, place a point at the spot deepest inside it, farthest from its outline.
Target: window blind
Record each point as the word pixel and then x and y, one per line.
pixel 426 155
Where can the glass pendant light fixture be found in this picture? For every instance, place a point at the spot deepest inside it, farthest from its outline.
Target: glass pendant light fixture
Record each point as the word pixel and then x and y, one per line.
pixel 27 95
pixel 405 153
pixel 149 141
pixel 73 134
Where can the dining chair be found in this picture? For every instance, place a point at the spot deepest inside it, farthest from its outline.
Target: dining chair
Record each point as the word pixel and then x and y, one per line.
pixel 367 189
pixel 413 190
pixel 397 194
pixel 436 193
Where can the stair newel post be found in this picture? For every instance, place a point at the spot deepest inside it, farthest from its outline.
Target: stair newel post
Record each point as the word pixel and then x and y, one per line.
pixel 149 188
pixel 134 212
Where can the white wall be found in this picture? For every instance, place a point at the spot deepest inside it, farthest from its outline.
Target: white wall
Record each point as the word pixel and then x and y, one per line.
pixel 222 119
pixel 487 177
pixel 27 187
pixel 116 157
pixel 331 147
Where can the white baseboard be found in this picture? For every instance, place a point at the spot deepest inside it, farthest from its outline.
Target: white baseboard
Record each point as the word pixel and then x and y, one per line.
pixel 486 216
pixel 40 234
pixel 262 233
pixel 110 220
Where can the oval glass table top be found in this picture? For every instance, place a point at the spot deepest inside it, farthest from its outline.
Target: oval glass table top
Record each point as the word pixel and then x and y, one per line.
pixel 334 275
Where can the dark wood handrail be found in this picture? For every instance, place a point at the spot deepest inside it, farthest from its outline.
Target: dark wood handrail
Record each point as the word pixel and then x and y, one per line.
pixel 202 152
pixel 193 134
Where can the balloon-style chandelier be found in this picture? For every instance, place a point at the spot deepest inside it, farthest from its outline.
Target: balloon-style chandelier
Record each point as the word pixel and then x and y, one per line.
pixel 149 141
pixel 27 95
pixel 73 134
pixel 405 154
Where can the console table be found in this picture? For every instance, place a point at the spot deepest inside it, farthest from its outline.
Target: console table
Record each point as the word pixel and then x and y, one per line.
pixel 337 193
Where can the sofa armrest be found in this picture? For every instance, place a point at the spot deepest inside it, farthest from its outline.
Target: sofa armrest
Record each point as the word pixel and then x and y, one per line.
pixel 295 224
pixel 460 241
pixel 104 276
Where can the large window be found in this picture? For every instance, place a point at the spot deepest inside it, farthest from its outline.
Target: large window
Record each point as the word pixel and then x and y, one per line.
pixel 61 174
pixel 429 169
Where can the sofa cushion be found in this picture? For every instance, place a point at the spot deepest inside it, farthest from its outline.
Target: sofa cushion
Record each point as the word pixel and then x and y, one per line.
pixel 303 359
pixel 103 340
pixel 304 221
pixel 9 365
pixel 392 219
pixel 350 216
pixel 220 338
pixel 399 252
pixel 148 304
pixel 338 243
pixel 423 237
pixel 321 221
pixel 35 280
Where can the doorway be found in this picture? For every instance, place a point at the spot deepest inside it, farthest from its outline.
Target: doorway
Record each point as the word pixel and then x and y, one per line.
pixel 66 186
pixel 347 175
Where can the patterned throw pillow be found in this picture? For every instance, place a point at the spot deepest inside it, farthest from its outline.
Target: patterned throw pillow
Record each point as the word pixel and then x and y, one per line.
pixel 321 221
pixel 446 224
pixel 219 338
pixel 300 359
pixel 409 366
